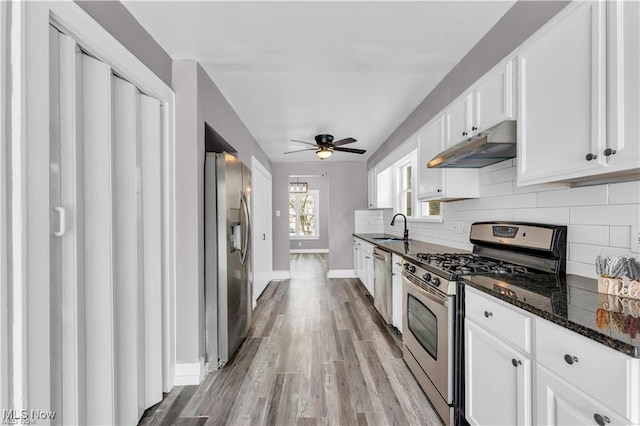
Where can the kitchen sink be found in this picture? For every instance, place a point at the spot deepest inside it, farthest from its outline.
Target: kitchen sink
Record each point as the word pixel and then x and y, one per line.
pixel 388 239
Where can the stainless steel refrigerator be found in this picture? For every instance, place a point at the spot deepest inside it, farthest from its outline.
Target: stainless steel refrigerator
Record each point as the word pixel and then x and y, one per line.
pixel 227 255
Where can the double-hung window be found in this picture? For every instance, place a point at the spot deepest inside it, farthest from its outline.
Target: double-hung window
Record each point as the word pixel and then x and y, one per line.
pixel 406 177
pixel 303 215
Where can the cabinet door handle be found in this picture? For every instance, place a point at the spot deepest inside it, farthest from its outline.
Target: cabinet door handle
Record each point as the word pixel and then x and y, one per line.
pixel 607 152
pixel 590 157
pixel 439 190
pixel 464 133
pixel 474 128
pixel 600 419
pixel 570 359
pixel 488 314
pixel 516 362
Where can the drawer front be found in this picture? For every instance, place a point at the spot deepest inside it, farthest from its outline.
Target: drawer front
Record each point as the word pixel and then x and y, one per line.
pixel 600 372
pixel 559 403
pixel 508 323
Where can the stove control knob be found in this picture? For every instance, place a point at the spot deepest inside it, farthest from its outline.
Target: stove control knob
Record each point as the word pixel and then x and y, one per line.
pixel 411 268
pixel 427 277
pixel 435 281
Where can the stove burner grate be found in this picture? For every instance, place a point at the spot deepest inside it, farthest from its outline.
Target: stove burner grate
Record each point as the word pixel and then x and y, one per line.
pixel 467 263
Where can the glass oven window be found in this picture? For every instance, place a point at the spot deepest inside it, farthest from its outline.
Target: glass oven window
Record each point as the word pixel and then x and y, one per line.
pixel 423 325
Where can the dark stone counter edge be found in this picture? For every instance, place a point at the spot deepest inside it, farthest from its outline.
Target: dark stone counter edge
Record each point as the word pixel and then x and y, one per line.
pixel 610 342
pixel 589 333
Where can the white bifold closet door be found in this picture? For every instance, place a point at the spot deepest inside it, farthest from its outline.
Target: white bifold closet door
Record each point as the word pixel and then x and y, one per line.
pixel 106 246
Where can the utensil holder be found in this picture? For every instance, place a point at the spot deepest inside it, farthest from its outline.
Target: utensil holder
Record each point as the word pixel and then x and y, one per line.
pixel 618 287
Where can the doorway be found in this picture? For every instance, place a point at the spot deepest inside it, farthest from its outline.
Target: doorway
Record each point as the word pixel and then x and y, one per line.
pixel 308 214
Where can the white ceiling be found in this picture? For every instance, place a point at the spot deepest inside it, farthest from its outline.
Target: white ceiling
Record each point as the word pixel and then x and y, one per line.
pixel 294 69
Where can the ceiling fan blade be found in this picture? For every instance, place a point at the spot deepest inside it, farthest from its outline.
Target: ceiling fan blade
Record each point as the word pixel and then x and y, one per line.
pixel 351 150
pixel 308 143
pixel 344 141
pixel 300 150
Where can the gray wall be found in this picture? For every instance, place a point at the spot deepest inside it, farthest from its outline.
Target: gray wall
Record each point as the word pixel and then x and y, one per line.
pixel 120 23
pixel 319 183
pixel 347 190
pixel 520 22
pixel 198 100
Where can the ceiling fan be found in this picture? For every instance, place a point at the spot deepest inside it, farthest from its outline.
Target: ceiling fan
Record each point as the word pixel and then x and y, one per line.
pixel 325 146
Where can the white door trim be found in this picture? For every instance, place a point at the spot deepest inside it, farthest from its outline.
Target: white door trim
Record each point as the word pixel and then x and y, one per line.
pixel 257 167
pixel 4 307
pixel 29 145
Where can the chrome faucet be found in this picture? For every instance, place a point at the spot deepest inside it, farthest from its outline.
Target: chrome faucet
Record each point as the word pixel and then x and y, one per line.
pixel 406 231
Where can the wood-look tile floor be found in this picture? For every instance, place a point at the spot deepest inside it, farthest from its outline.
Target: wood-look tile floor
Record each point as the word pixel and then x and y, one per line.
pixel 317 353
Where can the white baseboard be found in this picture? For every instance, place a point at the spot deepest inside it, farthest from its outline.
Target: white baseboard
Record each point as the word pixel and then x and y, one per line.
pixel 341 273
pixel 297 251
pixel 281 275
pixel 187 374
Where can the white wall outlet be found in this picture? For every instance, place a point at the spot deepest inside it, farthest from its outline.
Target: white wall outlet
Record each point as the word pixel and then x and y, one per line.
pixel 277 213
pixel 458 227
pixel 299 244
pixel 635 239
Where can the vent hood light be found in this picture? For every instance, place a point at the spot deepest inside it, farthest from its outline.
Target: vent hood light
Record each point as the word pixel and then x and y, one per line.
pixel 491 146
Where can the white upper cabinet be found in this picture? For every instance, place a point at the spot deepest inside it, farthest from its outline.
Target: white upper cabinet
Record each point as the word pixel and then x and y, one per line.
pixel 561 125
pixel 578 94
pixel 384 188
pixel 380 185
pixel 371 186
pixel 458 117
pixel 430 142
pixel 624 85
pixel 494 98
pixel 485 104
pixel 442 184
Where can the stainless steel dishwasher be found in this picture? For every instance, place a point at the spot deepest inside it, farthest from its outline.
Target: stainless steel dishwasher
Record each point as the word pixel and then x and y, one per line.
pixel 382 283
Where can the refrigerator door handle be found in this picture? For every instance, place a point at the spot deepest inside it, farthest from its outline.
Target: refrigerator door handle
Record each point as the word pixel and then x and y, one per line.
pixel 245 244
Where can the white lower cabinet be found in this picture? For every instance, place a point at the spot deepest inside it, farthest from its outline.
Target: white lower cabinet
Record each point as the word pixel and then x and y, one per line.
pixel 559 403
pixel 396 291
pixel 366 265
pixel 578 381
pixel 498 379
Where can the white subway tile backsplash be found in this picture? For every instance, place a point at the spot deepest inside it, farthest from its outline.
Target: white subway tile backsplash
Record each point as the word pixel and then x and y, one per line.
pixel 514 201
pixel 624 214
pixel 583 269
pixel 504 175
pixel 471 204
pixel 588 234
pixel 481 215
pixel 537 188
pixel 598 217
pixel 624 193
pixel 620 236
pixel 551 215
pixel 495 189
pixel 586 196
pixel 497 166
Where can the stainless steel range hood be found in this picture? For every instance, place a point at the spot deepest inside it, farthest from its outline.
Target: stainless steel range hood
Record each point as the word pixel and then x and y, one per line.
pixel 491 146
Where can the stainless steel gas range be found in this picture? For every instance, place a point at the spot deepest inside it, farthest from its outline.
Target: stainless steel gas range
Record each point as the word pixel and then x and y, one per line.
pixel 433 305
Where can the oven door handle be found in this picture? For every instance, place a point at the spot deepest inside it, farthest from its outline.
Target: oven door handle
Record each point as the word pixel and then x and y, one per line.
pixel 443 301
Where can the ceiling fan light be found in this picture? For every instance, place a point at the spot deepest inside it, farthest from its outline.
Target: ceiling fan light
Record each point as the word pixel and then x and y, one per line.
pixel 324 153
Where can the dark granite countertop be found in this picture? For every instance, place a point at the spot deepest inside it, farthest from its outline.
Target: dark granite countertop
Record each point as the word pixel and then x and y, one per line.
pixel 403 248
pixel 570 301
